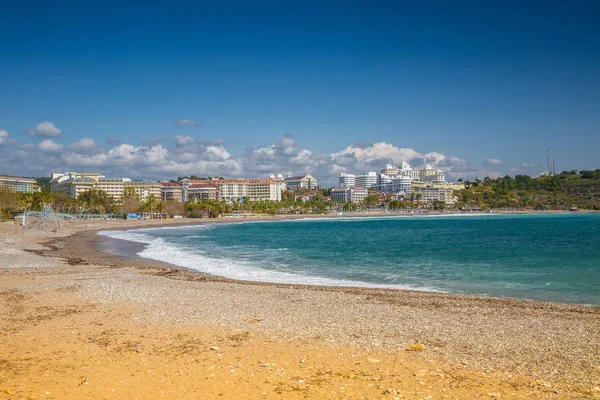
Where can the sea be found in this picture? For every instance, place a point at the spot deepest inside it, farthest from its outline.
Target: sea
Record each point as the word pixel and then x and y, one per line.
pixel 546 257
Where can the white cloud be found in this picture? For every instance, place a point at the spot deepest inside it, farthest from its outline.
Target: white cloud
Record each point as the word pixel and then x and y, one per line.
pixel 4 137
pixel 85 145
pixel 45 129
pixel 363 157
pixel 526 164
pixel 183 140
pixel 494 161
pixel 187 122
pixel 50 146
pixel 188 155
pixel 219 151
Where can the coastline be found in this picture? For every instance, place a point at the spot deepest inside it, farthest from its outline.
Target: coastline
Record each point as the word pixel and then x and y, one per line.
pixel 138 244
pixel 549 350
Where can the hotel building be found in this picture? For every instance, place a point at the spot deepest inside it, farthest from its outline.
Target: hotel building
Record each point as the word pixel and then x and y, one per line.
pixel 301 182
pixel 236 189
pixel 17 183
pixel 75 183
pixel 430 194
pixel 265 189
pixel 347 179
pixel 367 180
pixel 353 194
pixel 144 189
pixel 172 191
pixel 200 192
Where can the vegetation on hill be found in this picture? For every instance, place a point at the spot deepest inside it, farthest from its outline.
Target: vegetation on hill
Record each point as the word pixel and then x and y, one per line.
pixel 579 189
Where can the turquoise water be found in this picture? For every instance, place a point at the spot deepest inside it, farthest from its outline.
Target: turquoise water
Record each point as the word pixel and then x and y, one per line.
pixel 540 257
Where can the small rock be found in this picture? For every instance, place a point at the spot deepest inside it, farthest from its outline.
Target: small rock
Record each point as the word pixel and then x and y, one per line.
pixel 216 348
pixel 416 347
pixel 389 391
pixel 495 395
pixel 373 360
pixel 9 391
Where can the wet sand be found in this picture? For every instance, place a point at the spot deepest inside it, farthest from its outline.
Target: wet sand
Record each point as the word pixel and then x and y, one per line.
pixel 79 323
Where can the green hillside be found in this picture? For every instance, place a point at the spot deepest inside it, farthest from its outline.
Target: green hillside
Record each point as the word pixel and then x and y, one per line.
pixel 568 189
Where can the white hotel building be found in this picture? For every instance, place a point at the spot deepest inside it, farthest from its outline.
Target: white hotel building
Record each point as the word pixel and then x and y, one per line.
pixel 367 180
pixel 353 194
pixel 237 189
pixel 346 180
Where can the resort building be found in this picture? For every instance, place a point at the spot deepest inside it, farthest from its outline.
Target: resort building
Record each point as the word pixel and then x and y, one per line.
pixel 301 182
pixel 406 170
pixel 230 189
pixel 265 189
pixel 367 180
pixel 172 191
pixel 113 186
pixel 396 185
pixel 237 189
pixel 74 183
pixel 17 183
pixel 143 189
pixel 200 191
pixel 439 184
pixel 353 194
pixel 347 179
pixel 430 194
pixel 390 170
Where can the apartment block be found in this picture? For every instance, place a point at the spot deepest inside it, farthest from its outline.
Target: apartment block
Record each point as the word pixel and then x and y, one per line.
pixel 17 183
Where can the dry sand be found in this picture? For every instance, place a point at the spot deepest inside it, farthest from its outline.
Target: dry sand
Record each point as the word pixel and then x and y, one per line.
pixel 81 324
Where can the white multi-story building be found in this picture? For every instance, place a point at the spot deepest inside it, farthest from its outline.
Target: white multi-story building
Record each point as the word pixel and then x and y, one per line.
pixel 397 185
pixel 430 194
pixel 353 194
pixel 347 179
pixel 143 189
pixel 17 183
pixel 367 180
pixel 390 170
pixel 406 170
pixel 265 189
pixel 237 189
pixel 75 183
pixel 301 182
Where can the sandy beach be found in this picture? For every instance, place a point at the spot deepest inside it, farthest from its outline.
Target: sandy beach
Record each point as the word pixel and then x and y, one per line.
pixel 77 323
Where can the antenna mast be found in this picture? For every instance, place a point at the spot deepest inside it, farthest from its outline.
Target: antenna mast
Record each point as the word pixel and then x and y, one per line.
pixel 548 161
pixel 553 166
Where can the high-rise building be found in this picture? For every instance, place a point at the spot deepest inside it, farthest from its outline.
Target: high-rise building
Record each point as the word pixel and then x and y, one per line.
pixel 347 179
pixel 367 180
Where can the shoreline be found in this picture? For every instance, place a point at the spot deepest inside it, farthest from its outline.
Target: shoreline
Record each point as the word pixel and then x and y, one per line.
pixel 508 347
pixel 323 286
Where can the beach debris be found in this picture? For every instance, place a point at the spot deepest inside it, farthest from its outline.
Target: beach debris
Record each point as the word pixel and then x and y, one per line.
pixel 9 391
pixel 373 360
pixel 215 348
pixel 347 375
pixel 255 319
pixel 416 347
pixel 495 395
pixel 390 391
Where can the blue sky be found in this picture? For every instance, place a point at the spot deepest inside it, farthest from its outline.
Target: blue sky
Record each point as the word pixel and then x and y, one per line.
pixel 477 88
